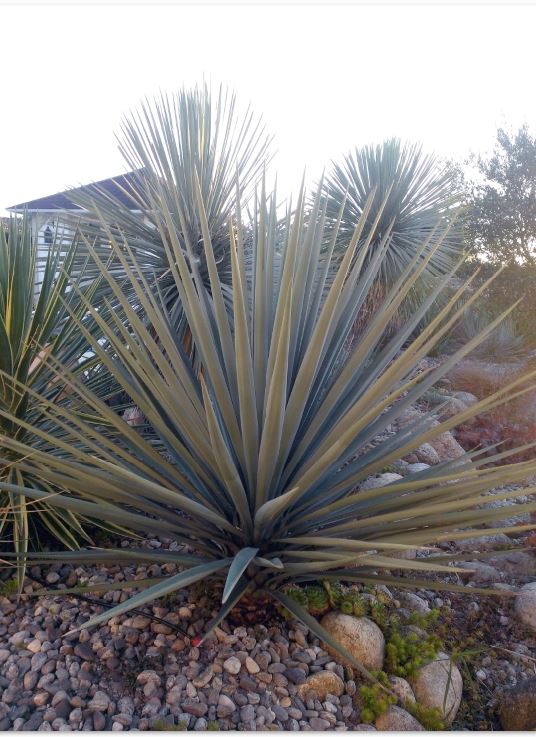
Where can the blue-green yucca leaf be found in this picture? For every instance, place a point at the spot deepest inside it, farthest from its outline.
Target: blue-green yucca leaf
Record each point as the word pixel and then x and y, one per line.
pixel 257 448
pixel 317 629
pixel 237 568
pixel 398 582
pixel 101 588
pixel 240 590
pixel 78 556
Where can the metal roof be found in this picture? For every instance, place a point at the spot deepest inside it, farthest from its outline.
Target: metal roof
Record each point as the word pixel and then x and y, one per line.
pixel 114 186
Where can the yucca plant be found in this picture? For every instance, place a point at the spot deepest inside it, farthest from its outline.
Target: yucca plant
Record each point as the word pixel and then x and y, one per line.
pixel 265 446
pixel 505 343
pixel 164 142
pixel 413 193
pixel 34 328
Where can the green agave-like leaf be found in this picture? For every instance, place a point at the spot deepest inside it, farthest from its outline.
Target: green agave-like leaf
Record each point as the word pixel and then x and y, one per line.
pixel 236 569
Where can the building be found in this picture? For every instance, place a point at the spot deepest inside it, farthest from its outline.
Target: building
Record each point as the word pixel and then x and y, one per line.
pixel 46 212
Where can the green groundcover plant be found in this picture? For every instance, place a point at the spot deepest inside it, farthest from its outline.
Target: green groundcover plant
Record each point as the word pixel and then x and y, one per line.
pixel 255 459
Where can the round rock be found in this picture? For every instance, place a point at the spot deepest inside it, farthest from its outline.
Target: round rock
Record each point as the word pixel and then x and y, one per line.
pixel 232 665
pixel 447 447
pixel 452 407
pixel 467 398
pixel 426 453
pixel 517 707
pixel 361 637
pixel 148 676
pixel 324 682
pixel 374 482
pixel 417 467
pixel 99 702
pixel 251 666
pixel 396 719
pixel 439 685
pixel 402 689
pixel 225 706
pixel 414 603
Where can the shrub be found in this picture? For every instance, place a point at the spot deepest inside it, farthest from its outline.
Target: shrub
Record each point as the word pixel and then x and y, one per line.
pixel 267 443
pixel 482 378
pixel 507 427
pixel 513 283
pixel 375 701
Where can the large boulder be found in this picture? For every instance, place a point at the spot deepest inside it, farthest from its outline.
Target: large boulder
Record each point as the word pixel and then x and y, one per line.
pixel 515 564
pixel 323 683
pixel 480 572
pixel 397 720
pixel 525 605
pixel 361 637
pixel 439 685
pixel 517 707
pixel 484 542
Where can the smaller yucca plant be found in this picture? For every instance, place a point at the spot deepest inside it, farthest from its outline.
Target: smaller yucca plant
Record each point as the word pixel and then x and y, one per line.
pixel 165 142
pixel 265 446
pixel 504 343
pixel 34 330
pixel 414 193
pixel 416 199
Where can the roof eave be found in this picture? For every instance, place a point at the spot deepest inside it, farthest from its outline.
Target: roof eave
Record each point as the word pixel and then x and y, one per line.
pixel 22 210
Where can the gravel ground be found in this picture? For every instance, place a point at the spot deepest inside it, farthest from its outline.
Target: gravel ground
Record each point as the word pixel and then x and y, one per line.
pixel 140 673
pixel 135 671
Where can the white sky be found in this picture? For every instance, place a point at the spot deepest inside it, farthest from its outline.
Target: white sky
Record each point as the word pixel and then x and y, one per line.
pixel 324 78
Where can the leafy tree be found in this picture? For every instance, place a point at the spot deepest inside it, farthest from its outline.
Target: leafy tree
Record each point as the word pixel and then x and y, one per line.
pixel 501 219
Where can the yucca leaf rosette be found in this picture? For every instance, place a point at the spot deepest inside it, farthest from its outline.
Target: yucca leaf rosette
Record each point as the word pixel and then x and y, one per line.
pixel 256 455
